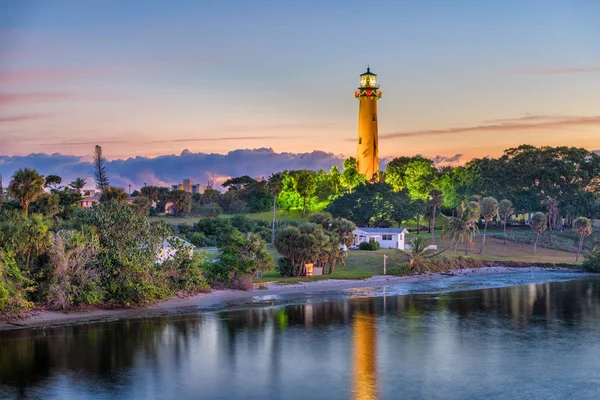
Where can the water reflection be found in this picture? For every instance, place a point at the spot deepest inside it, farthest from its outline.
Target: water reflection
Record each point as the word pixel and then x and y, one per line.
pixel 365 357
pixel 484 343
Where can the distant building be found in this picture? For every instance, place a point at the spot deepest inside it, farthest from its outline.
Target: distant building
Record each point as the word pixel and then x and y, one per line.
pixel 90 197
pixel 388 238
pixel 189 186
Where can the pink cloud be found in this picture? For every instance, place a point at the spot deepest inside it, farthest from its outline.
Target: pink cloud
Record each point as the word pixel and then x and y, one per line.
pixel 12 98
pixel 22 117
pixel 517 124
pixel 554 71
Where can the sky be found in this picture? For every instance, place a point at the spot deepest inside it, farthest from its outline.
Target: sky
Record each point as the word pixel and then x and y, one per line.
pixel 157 78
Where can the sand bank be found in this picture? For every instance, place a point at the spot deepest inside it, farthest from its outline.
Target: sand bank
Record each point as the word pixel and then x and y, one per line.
pixel 464 279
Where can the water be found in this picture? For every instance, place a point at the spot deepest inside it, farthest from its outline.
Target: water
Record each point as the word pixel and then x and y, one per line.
pixel 533 341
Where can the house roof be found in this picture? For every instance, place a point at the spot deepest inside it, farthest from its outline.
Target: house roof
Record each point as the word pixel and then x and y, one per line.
pixel 383 230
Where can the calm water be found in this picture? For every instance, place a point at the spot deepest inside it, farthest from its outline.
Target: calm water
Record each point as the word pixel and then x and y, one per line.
pixel 534 341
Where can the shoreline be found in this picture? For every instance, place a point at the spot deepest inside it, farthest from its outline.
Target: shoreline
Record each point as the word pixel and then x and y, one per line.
pixel 222 300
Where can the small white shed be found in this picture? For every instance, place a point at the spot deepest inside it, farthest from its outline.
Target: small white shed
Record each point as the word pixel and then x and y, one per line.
pixel 388 238
pixel 166 250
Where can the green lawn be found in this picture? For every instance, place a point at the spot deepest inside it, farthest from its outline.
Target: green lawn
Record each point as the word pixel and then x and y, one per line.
pixel 282 215
pixel 567 241
pixel 364 264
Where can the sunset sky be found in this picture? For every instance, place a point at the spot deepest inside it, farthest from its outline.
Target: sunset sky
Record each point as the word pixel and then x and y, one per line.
pixel 148 78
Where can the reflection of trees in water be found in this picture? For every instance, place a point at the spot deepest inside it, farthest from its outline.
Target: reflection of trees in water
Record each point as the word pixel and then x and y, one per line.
pixel 99 353
pixel 103 353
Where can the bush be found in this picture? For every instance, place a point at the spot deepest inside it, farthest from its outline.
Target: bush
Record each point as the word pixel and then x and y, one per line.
pixel 198 239
pixel 210 210
pixel 74 279
pixel 592 260
pixel 369 246
pixel 186 273
pixel 285 267
pixel 237 207
pixel 13 286
pixel 242 282
pixel 185 228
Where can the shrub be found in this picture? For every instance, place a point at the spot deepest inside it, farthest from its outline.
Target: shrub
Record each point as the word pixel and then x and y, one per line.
pixel 242 282
pixel 210 210
pixel 285 267
pixel 185 228
pixel 13 286
pixel 185 273
pixel 198 239
pixel 592 260
pixel 74 278
pixel 369 246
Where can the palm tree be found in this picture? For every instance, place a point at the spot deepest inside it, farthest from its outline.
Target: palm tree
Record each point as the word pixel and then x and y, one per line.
pixel 26 186
pixel 78 184
pixel 583 226
pixel 539 223
pixel 436 199
pixel 419 254
pixel 275 185
pixel 505 210
pixel 470 213
pixel 489 209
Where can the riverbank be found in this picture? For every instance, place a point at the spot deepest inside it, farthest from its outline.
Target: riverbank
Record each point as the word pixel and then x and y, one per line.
pixel 274 293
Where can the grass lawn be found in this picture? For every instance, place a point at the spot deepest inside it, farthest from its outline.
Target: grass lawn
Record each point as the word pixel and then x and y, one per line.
pixel 282 215
pixel 567 241
pixel 364 264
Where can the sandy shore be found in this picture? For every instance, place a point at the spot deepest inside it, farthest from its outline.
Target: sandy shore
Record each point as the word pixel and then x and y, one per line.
pixel 276 294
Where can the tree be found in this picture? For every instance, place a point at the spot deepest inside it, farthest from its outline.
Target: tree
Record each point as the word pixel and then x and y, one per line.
pixel 583 227
pixel 100 169
pixel 26 186
pixel 539 223
pixel 489 209
pixel 305 184
pixel 419 254
pixel 336 179
pixel 114 194
pixel 181 201
pixel 419 207
pixel 143 204
pixel 505 210
pixel 416 174
pixel 78 184
pixel 436 199
pixel 275 187
pixel 53 182
pixel 350 177
pixel 373 205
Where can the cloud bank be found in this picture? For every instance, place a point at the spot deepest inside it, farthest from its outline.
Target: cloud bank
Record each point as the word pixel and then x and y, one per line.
pixel 171 169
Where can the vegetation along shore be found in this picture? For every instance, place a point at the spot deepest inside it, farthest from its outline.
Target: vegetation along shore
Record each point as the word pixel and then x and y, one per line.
pixel 532 206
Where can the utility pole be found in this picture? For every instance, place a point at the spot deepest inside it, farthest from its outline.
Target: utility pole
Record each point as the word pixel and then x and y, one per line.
pixel 385 257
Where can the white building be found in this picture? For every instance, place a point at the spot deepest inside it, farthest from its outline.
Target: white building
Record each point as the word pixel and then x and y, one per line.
pixel 167 251
pixel 388 238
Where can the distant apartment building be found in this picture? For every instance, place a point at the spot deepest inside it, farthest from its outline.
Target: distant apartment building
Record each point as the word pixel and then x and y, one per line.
pixel 189 186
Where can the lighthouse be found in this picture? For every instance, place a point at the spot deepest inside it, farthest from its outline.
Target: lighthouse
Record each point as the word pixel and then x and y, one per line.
pixel 367 156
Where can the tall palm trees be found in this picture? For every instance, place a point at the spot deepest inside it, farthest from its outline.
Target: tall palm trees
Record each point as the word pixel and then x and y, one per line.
pixel 583 227
pixel 539 223
pixel 505 210
pixel 275 186
pixel 489 209
pixel 26 186
pixel 78 184
pixel 436 199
